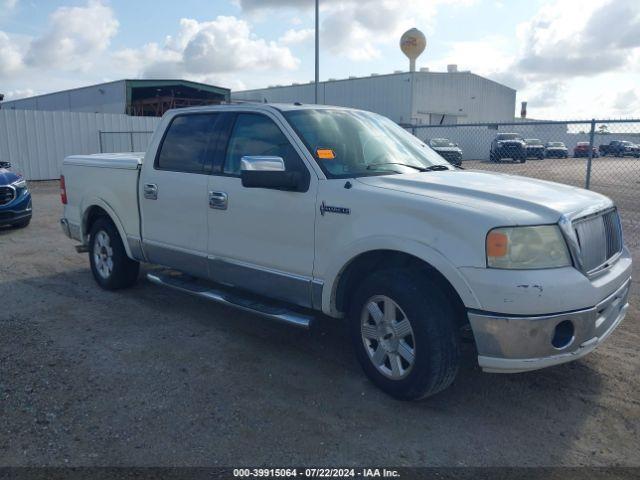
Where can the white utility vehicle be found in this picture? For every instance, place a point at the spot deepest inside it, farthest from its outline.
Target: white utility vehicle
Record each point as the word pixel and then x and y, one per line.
pixel 291 210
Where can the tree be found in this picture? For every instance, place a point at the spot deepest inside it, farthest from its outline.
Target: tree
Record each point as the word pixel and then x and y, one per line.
pixel 603 129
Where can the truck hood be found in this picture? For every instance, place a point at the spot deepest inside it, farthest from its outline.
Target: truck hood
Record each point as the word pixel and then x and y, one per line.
pixel 7 177
pixel 521 200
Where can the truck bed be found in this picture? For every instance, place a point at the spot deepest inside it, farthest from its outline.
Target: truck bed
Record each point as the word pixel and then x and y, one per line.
pixel 108 181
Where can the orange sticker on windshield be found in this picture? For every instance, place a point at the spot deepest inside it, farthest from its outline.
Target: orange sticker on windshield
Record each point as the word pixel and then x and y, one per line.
pixel 325 154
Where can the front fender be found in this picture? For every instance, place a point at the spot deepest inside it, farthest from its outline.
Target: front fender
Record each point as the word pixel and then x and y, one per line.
pixel 383 242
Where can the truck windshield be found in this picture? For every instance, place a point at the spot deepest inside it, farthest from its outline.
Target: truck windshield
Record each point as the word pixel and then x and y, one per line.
pixel 349 143
pixel 441 142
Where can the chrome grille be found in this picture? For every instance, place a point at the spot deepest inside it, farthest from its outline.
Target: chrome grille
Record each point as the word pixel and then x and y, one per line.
pixel 7 194
pixel 599 238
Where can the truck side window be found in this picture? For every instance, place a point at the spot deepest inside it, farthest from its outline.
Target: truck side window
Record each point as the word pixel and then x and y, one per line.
pixel 255 134
pixel 186 143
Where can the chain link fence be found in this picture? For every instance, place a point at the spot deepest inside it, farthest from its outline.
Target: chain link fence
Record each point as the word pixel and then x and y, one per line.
pixel 601 155
pixel 129 141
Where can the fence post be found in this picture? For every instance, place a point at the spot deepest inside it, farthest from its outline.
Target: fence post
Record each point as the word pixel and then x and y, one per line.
pixel 100 140
pixel 590 159
pixel 131 140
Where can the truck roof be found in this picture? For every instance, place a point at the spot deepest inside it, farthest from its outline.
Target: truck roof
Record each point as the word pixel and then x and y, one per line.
pixel 282 107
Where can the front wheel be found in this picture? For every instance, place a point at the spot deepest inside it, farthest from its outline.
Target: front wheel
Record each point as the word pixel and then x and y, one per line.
pixel 403 329
pixel 110 265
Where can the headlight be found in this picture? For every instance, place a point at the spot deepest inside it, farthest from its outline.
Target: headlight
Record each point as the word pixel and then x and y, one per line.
pixel 22 183
pixel 521 248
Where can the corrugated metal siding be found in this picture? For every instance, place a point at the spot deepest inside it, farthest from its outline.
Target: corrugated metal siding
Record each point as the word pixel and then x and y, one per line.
pixel 102 98
pixel 469 97
pixel 36 142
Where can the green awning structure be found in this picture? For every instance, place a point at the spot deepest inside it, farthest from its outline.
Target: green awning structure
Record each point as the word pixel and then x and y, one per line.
pixel 155 97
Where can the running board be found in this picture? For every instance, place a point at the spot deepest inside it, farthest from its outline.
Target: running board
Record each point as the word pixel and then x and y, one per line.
pixel 243 301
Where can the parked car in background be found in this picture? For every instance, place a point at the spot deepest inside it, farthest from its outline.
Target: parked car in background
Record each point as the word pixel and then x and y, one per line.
pixel 534 148
pixel 620 148
pixel 289 211
pixel 15 198
pixel 582 150
pixel 447 150
pixel 508 145
pixel 556 150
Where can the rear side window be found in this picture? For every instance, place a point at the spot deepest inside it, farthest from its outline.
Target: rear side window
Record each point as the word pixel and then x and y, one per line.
pixel 187 143
pixel 255 134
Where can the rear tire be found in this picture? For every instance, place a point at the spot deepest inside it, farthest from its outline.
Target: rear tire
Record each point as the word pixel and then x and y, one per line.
pixel 403 330
pixel 110 265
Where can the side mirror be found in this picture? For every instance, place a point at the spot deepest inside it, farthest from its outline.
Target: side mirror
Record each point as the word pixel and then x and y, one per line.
pixel 268 172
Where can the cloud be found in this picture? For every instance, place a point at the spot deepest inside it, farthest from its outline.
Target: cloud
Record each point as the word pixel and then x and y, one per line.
pixel 574 38
pixel 19 93
pixel 627 102
pixel 201 49
pixel 296 37
pixel 253 5
pixel 10 56
pixel 357 29
pixel 8 4
pixel 74 37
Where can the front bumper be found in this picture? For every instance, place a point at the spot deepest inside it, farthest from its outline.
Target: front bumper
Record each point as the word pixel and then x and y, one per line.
pixel 509 151
pixel 16 212
pixel 556 153
pixel 454 158
pixel 511 344
pixel 535 152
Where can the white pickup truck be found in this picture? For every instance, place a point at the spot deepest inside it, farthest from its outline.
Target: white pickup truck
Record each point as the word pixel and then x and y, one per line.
pixel 290 211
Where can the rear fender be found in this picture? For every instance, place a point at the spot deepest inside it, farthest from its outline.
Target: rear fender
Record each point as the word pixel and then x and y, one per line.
pixel 88 203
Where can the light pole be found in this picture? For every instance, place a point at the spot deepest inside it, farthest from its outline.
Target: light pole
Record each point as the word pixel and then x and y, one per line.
pixel 317 48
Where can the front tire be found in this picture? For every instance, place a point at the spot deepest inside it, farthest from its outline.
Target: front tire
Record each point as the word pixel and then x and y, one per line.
pixel 403 330
pixel 110 265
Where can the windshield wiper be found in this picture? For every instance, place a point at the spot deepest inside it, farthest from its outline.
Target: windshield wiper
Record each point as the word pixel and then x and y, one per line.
pixel 373 165
pixel 430 168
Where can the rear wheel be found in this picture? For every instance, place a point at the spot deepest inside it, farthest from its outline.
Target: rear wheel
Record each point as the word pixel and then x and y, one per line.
pixel 110 265
pixel 402 328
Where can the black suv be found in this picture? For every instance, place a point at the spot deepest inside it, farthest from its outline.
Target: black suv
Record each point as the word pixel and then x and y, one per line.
pixel 508 145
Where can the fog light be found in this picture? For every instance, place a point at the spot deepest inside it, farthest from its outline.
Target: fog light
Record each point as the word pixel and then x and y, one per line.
pixel 563 334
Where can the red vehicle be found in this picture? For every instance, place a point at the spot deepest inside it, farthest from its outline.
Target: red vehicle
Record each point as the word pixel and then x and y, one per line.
pixel 582 150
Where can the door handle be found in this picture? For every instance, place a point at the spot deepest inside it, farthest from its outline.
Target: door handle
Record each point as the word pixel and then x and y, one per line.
pixel 150 191
pixel 218 200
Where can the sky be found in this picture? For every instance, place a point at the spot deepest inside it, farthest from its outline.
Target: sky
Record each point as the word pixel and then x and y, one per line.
pixel 570 59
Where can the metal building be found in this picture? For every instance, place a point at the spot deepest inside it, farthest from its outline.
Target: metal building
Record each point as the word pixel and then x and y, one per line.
pixel 408 98
pixel 131 97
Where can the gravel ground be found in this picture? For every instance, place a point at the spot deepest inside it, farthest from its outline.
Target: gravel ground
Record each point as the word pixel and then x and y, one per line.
pixel 149 377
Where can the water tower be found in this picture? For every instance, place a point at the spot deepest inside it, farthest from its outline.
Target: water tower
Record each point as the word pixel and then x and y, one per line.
pixel 412 43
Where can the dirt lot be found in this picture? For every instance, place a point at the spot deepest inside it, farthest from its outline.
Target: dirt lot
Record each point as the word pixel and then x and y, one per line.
pixel 151 377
